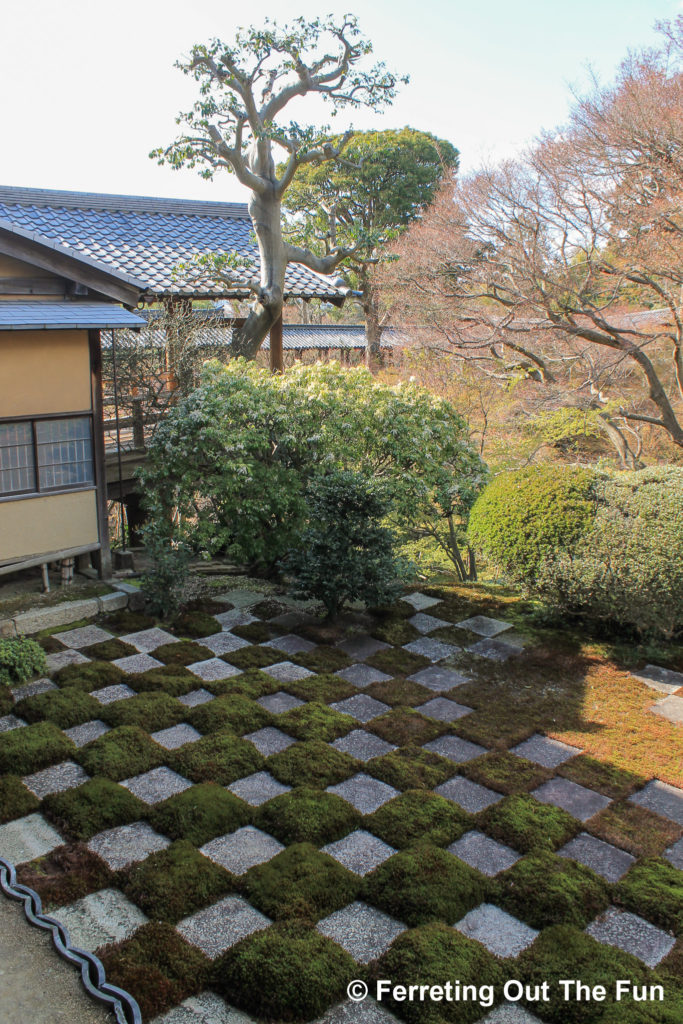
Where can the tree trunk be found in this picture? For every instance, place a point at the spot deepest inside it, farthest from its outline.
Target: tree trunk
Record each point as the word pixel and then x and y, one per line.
pixel 627 458
pixel 373 327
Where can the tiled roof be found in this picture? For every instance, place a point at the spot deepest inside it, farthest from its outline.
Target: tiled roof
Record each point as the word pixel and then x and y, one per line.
pixel 18 316
pixel 146 238
pixel 295 337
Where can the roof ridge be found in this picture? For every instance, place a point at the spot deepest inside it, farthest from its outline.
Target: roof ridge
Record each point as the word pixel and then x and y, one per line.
pixel 115 202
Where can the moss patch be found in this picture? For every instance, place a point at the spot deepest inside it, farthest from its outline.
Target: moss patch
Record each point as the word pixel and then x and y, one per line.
pixel 33 747
pixel 614 782
pixel 234 712
pixel 324 687
pixel 300 973
pixel 15 799
pixel 307 816
pixel 252 657
pixel 399 692
pixel 184 652
pixel 544 889
pixel 267 609
pixel 65 708
pixel 194 624
pixel 524 823
pixel 121 753
pixel 252 683
pixel 173 883
pixel 415 816
pixel 312 764
pixel 151 711
pixel 98 804
pixel 172 679
pixel 323 659
pixel 411 768
pixel 405 727
pixel 396 632
pixel 200 813
pixel 109 650
pixel 256 632
pixel 316 721
pixel 654 890
pixel 125 621
pixel 397 662
pixel 301 883
pixel 68 873
pixel 89 677
pixel 6 699
pixel 221 757
pixel 635 829
pixel 506 773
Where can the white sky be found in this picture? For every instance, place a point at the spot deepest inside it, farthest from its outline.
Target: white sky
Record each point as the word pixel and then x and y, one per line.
pixel 88 88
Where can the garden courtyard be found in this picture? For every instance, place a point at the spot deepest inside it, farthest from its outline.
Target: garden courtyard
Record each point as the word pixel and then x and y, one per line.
pixel 245 808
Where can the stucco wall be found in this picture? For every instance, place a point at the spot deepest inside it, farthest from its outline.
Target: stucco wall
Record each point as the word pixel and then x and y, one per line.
pixel 51 522
pixel 44 372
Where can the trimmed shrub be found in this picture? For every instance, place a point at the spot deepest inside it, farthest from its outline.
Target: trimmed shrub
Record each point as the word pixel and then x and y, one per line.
pixel 20 659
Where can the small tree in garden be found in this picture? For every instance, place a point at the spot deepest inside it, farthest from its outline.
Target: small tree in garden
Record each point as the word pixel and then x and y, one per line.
pixel 345 554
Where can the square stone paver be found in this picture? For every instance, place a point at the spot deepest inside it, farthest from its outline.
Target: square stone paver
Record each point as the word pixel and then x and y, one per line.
pixel 287 672
pixel 362 745
pixel 439 679
pixel 257 789
pixel 363 931
pixel 544 751
pixel 134 664
pixel 27 838
pixel 471 796
pixel 101 917
pixel 217 928
pixel 661 798
pixel 243 598
pixel 147 640
pixel 64 658
pixel 578 801
pixel 427 623
pixel 510 1013
pixel 633 934
pixel 364 793
pixel 223 643
pixel 127 844
pixel 495 650
pixel 290 644
pixel 665 680
pixel 362 675
pixel 156 785
pixel 483 853
pixel 455 748
pixel 10 722
pixel 238 851
pixel 196 697
pixel 601 857
pixel 278 703
pixel 360 852
pixel 674 854
pixel 176 736
pixel 484 626
pixel 435 650
pixel 502 934
pixel 236 617
pixel 55 779
pixel 421 601
pixel 361 706
pixel 269 740
pixel 444 710
pixel 292 619
pixel 213 669
pixel 670 708
pixel 206 1008
pixel 362 646
pixel 84 636
pixel 33 689
pixel 86 733
pixel 367 1012
pixel 110 694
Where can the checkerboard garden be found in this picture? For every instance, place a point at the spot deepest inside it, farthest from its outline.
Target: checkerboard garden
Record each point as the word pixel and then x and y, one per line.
pixel 244 810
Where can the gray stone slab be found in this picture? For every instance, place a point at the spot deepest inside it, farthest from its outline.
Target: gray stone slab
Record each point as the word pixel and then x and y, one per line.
pixel 156 785
pixel 290 644
pixel 362 745
pixel 471 796
pixel 495 650
pixel 243 598
pixel 362 646
pixel 86 733
pixel 38 619
pixel 126 588
pixel 510 1013
pixel 360 852
pixel 113 602
pixel 661 798
pixel 27 838
pixel 217 928
pixel 206 1008
pixel 134 664
pixel 670 708
pixel 238 851
pixel 127 844
pixel 64 658
pixel 224 643
pixel 665 680
pixel 455 749
pixel 421 601
pixel 257 789
pixel 427 623
pixel 439 679
pixel 578 801
pixel 363 931
pixel 196 697
pixel 365 1012
pixel 101 917
pixel 84 636
pixel 674 854
pixel 55 779
pixel 435 650
pixel 361 706
pixel 269 740
pixel 213 669
pixel 444 710
pixel 484 626
pixel 278 703
pixel 287 672
pixel 364 793
pixel 33 689
pixel 483 853
pixel 176 736
pixel 236 617
pixel 10 722
pixel 362 675
pixel 502 934
pixel 544 751
pixel 601 857
pixel 633 934
pixel 147 640
pixel 110 694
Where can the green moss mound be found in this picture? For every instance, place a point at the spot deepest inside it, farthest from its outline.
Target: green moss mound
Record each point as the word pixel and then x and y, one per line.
pixel 234 712
pixel 93 676
pixel 6 699
pixel 256 632
pixel 397 662
pixel 313 763
pixel 33 747
pixel 396 632
pixel 15 799
pixel 125 621
pixel 194 624
pixel 67 874
pixel 184 652
pixel 98 804
pixel 299 973
pixel 324 687
pixel 173 883
pixel 172 679
pixel 505 773
pixel 221 757
pixel 253 657
pixel 324 659
pixel 150 711
pixel 65 708
pixel 527 825
pixel 654 890
pixel 121 753
pixel 614 782
pixel 110 650
pixel 411 768
pixel 307 816
pixel 316 721
pixel 300 883
pixel 635 829
pixel 417 816
pixel 200 813
pixel 405 727
pixel 399 692
pixel 544 889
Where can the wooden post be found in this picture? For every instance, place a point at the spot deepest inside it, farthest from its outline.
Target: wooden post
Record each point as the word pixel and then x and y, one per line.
pixel 102 557
pixel 138 424
pixel 277 363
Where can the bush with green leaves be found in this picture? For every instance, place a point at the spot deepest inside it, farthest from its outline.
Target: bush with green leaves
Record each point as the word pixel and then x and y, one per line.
pixel 165 580
pixel 20 659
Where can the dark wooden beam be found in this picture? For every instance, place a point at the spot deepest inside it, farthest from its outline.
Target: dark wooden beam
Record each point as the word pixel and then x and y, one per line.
pixel 277 362
pixel 32 286
pixel 103 556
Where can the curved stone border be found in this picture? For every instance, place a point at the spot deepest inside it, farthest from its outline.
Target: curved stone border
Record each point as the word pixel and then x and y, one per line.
pixel 93 977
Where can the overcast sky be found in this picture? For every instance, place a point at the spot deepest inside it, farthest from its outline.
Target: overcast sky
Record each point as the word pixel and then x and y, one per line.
pixel 88 88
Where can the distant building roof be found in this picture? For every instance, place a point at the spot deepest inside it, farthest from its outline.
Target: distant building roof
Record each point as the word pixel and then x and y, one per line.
pixel 24 316
pixel 145 240
pixel 295 337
